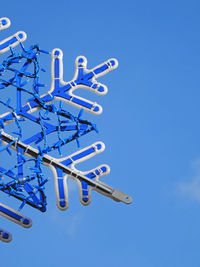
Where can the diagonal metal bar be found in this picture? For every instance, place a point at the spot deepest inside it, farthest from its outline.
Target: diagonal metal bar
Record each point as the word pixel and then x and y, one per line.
pixel 47 160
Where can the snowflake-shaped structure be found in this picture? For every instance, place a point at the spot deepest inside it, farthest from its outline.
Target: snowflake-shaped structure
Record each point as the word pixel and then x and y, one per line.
pixel 25 180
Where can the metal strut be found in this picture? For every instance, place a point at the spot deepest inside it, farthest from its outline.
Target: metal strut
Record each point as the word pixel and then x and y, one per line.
pixel 47 160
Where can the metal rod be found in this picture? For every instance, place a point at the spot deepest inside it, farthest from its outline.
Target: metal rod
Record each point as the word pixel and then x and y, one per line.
pixel 47 160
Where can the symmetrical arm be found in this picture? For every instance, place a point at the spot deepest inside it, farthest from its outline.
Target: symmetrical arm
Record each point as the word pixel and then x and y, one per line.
pixel 11 41
pixel 61 167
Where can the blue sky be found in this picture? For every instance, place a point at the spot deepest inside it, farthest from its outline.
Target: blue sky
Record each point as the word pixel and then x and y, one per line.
pixel 150 125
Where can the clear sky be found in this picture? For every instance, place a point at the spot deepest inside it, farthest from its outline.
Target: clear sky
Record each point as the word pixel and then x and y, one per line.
pixel 150 125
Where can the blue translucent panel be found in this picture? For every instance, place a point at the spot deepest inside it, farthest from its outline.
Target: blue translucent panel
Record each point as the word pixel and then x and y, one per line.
pixel 85 199
pixel 81 102
pixel 91 175
pixel 46 98
pixel 56 70
pixel 59 172
pixel 65 96
pixel 96 108
pixel 62 203
pixel 61 189
pixel 26 221
pixel 112 62
pixel 80 60
pixel 100 69
pixel 94 86
pixel 104 169
pixel 33 104
pixel 21 35
pixel 83 153
pixel 97 172
pixel 3 22
pixel 8 43
pixel 99 146
pixel 67 162
pixel 85 193
pixel 84 184
pixel 57 53
pixel 73 84
pixel 10 213
pixel 101 89
pixel 56 86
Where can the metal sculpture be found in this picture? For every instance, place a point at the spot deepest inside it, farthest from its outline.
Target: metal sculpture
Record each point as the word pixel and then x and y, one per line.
pixel 25 180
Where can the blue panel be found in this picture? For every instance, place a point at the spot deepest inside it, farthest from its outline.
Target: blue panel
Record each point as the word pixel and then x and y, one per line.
pixel 3 22
pixel 82 103
pixel 65 96
pixel 99 146
pixel 112 62
pixel 62 203
pixel 21 35
pixel 85 193
pixel 73 84
pixel 66 87
pixel 101 89
pixel 26 221
pixel 104 169
pixel 56 70
pixel 33 104
pixel 83 153
pixel 84 184
pixel 8 43
pixel 97 172
pixel 57 53
pixel 59 172
pixel 61 189
pixel 89 75
pixel 5 235
pixel 96 108
pixel 56 85
pixel 101 69
pixel 94 86
pixel 66 162
pixel 85 199
pixel 46 98
pixel 80 60
pixel 10 213
pixel 91 175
